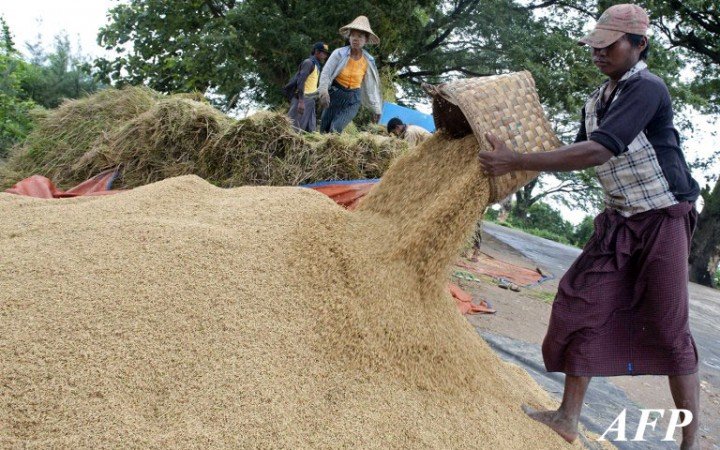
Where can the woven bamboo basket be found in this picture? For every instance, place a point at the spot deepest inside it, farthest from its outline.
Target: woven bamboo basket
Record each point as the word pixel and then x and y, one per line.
pixel 506 105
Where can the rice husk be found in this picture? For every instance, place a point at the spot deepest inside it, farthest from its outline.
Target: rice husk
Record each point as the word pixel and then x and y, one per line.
pixel 263 149
pixel 151 137
pixel 63 135
pixel 180 315
pixel 160 143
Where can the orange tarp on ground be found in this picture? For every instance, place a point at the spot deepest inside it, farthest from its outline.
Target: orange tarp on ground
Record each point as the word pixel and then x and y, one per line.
pixel 345 193
pixel 501 270
pixel 41 187
pixel 463 301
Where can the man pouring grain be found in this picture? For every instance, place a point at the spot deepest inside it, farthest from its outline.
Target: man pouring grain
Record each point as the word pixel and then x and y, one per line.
pixel 622 307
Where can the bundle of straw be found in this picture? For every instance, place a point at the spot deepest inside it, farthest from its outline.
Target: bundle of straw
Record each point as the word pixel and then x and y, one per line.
pixel 160 143
pixel 152 137
pixel 63 135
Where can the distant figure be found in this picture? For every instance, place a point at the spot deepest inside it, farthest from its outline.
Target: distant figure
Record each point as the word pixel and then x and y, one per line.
pixel 413 134
pixel 302 105
pixel 349 79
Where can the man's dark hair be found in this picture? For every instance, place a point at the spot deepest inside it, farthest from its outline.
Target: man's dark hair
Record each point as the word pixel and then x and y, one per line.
pixel 393 123
pixel 635 40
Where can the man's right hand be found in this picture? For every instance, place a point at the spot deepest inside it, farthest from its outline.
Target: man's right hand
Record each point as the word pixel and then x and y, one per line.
pixel 501 160
pixel 324 99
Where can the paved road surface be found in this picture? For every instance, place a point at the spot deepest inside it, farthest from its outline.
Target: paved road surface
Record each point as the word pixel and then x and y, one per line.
pixel 704 302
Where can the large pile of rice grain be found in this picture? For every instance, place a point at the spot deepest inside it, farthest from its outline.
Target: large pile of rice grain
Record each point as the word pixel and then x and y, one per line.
pixel 182 315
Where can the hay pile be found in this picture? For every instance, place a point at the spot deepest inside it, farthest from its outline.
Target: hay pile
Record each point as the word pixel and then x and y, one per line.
pixel 263 149
pixel 153 137
pixel 63 135
pixel 182 315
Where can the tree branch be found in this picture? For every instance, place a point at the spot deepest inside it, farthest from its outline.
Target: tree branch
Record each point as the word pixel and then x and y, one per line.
pixel 572 6
pixel 542 5
pixel 216 12
pixel 697 17
pixel 565 187
pixel 432 28
pixel 451 20
pixel 424 73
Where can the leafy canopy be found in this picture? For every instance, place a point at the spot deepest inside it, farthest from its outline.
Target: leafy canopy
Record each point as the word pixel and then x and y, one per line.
pixel 15 104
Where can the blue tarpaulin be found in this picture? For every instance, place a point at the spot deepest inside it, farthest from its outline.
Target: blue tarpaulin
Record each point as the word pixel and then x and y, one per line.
pixel 338 182
pixel 407 115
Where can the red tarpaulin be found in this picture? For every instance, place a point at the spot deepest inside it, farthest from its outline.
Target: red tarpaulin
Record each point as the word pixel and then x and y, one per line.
pixel 345 193
pixel 41 187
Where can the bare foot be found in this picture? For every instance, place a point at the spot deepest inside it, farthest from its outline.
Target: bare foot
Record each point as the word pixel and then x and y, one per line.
pixel 561 425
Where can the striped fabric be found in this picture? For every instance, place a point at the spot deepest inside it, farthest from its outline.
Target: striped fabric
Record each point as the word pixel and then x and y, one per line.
pixel 344 106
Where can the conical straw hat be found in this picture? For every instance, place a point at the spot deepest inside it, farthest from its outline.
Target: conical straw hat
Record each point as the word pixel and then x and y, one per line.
pixel 360 23
pixel 506 105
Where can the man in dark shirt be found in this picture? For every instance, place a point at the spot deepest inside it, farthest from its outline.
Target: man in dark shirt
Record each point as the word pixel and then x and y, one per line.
pixel 302 106
pixel 622 307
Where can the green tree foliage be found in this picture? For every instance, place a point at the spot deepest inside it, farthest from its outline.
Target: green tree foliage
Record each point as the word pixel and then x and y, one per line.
pixel 573 189
pixel 694 25
pixel 705 250
pixel 58 75
pixel 229 47
pixel 545 221
pixel 15 104
pixel 688 28
pixel 583 231
pixel 542 215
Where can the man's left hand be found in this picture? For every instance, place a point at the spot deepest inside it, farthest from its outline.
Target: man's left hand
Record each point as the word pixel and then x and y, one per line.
pixel 500 161
pixel 376 118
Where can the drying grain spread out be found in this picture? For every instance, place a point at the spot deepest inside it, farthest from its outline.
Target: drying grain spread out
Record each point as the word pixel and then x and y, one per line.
pixel 182 315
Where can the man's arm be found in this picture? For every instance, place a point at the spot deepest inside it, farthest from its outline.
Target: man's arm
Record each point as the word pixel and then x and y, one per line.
pixel 576 156
pixel 328 70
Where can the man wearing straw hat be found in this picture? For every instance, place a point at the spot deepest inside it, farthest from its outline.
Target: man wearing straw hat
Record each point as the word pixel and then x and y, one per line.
pixel 302 105
pixel 350 79
pixel 622 307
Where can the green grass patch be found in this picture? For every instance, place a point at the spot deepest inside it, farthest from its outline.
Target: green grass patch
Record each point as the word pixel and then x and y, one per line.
pixel 545 296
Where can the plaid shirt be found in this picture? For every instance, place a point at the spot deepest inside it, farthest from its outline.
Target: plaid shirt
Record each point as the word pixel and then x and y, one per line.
pixel 633 181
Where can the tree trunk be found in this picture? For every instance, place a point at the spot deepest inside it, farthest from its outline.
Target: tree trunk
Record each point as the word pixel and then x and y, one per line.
pixel 705 247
